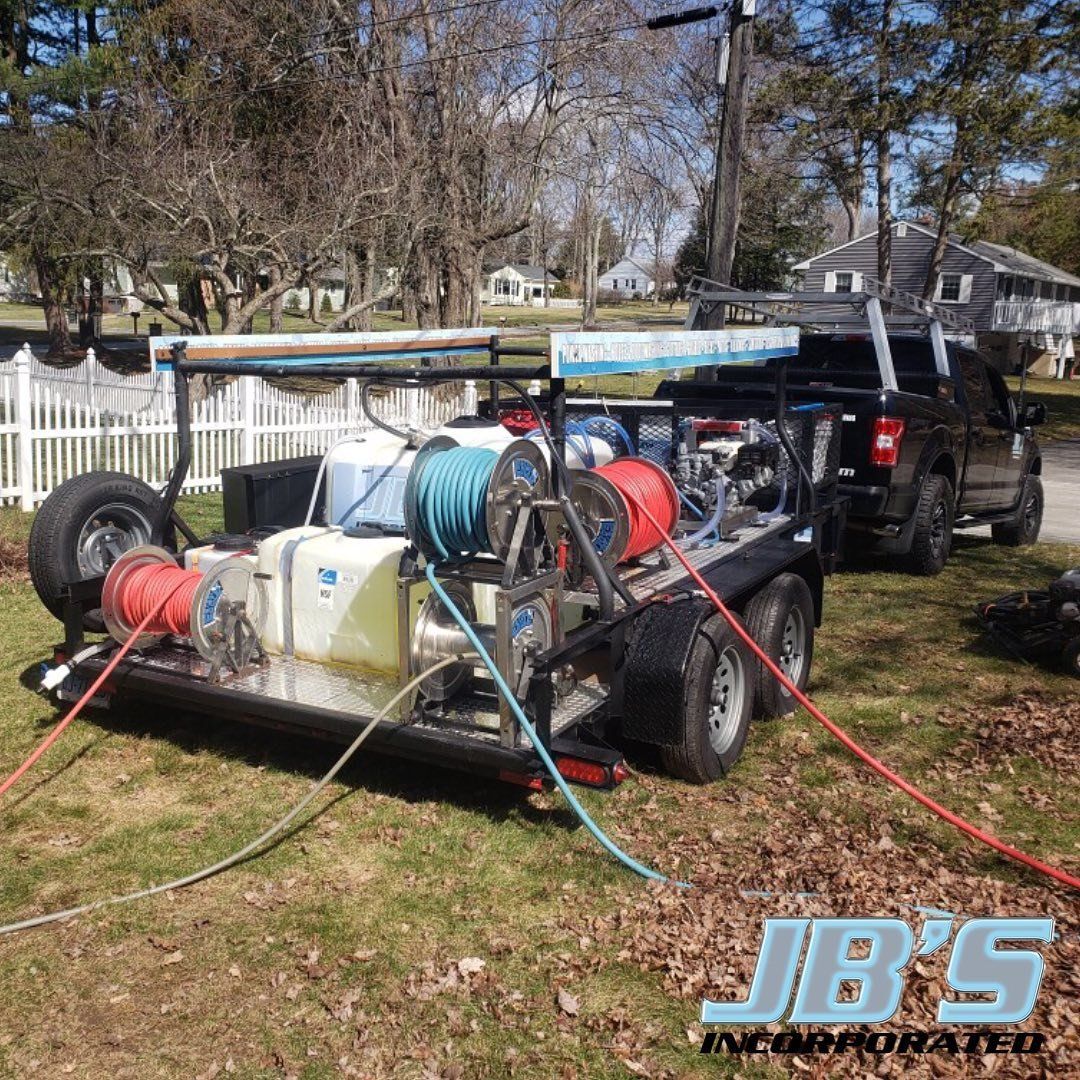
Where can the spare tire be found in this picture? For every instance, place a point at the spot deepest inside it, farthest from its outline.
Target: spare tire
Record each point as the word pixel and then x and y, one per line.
pixel 84 526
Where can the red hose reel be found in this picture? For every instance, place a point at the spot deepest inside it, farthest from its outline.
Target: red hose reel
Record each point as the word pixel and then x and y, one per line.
pixel 608 499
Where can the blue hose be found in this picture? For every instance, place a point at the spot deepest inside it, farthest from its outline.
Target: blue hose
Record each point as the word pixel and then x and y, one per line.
pixel 619 429
pixel 451 491
pixel 583 815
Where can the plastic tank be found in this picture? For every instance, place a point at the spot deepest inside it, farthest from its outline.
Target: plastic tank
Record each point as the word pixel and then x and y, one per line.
pixel 342 592
pixel 365 478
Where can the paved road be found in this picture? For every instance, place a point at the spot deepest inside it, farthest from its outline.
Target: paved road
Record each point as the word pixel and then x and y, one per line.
pixel 1061 482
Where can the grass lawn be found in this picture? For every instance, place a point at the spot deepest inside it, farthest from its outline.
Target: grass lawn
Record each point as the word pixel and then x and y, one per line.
pixel 423 924
pixel 1062 400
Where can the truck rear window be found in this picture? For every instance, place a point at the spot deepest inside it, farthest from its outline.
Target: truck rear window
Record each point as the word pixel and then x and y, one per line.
pixel 826 353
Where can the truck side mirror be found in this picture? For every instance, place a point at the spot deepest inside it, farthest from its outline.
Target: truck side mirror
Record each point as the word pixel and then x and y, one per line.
pixel 1034 414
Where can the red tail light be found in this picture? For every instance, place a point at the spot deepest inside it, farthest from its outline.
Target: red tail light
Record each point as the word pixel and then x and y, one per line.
pixel 885 441
pixel 584 772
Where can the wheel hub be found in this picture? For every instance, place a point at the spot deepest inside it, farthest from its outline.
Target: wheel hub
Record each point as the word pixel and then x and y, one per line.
pixel 726 696
pixel 793 646
pixel 106 535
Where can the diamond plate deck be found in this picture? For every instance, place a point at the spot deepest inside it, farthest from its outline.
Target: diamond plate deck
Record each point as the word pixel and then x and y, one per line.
pixel 359 694
pixel 652 575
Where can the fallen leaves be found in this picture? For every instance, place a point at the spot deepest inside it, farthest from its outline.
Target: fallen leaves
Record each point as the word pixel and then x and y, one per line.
pixel 568 1003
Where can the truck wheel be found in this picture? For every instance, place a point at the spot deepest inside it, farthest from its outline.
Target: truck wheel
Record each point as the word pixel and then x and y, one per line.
pixel 780 619
pixel 934 516
pixel 1070 658
pixel 84 526
pixel 1024 529
pixel 718 699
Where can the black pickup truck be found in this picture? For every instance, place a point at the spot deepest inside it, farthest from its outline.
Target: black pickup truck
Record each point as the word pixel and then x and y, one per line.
pixel 923 451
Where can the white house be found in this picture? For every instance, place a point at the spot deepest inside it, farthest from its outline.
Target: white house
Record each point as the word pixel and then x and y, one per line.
pixel 627 277
pixel 516 284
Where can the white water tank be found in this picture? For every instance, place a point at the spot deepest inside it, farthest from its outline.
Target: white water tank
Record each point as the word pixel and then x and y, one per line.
pixel 335 595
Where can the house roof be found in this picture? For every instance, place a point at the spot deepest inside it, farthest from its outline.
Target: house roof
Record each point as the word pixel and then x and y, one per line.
pixel 527 271
pixel 1005 259
pixel 645 269
pixel 1020 262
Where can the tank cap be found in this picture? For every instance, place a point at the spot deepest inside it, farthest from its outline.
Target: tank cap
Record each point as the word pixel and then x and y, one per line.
pixel 234 543
pixel 471 422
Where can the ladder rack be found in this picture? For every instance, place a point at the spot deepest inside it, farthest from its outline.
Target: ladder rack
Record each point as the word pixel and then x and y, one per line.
pixel 899 309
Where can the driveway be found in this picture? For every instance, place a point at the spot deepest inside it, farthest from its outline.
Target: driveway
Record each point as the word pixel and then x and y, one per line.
pixel 1061 482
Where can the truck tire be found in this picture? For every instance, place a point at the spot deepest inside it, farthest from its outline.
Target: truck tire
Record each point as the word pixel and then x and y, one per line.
pixel 1070 658
pixel 780 618
pixel 84 526
pixel 1025 528
pixel 931 540
pixel 718 698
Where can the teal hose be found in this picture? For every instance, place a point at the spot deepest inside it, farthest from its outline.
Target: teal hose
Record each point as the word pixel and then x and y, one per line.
pixel 450 494
pixel 601 837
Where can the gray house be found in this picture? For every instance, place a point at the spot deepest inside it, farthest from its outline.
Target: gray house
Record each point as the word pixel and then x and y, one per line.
pixel 1023 309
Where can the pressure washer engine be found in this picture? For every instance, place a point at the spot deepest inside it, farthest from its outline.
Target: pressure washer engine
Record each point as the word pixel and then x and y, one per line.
pixel 517 563
pixel 1039 623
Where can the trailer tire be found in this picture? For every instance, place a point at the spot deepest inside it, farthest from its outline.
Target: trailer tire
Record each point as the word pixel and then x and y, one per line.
pixel 1070 658
pixel 780 618
pixel 931 541
pixel 718 699
pixel 1025 528
pixel 83 526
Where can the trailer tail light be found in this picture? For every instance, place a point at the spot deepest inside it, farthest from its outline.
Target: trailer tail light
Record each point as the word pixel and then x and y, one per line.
pixel 534 783
pixel 885 441
pixel 583 772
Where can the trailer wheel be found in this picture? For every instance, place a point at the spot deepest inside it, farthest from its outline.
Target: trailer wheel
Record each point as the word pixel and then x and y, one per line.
pixel 84 526
pixel 780 619
pixel 718 699
pixel 1025 528
pixel 935 512
pixel 1070 658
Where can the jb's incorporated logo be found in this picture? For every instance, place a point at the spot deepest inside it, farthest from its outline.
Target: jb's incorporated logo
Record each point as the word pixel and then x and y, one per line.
pixel 853 973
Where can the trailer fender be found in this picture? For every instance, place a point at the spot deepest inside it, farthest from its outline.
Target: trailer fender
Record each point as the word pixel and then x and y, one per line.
pixel 656 657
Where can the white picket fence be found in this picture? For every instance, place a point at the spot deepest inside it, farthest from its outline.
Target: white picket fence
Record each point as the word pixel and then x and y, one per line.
pixel 59 423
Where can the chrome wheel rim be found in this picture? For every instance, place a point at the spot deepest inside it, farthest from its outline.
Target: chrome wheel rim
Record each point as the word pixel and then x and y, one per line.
pixel 726 697
pixel 793 646
pixel 107 534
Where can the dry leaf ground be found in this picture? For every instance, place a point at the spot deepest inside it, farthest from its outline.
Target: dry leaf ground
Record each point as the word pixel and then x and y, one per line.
pixel 426 925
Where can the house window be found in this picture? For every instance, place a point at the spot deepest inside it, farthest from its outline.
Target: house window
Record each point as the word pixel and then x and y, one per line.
pixel 845 280
pixel 632 283
pixel 950 288
pixel 537 292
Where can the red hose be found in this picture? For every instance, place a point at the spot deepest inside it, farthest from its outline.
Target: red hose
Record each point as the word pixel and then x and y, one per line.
pixel 643 484
pixel 858 751
pixel 150 595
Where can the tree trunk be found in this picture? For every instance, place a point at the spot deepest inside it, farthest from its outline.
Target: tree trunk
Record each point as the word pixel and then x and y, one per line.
pixel 950 198
pixel 724 218
pixel 52 303
pixel 851 209
pixel 277 305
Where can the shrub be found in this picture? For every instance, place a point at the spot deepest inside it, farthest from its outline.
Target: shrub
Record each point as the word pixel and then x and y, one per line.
pixel 325 305
pixel 292 303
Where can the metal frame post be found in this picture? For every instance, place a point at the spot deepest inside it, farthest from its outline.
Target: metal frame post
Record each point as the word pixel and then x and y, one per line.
pixel 879 332
pixel 941 355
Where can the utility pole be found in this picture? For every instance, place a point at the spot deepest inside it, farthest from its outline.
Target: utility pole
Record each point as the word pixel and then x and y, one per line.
pixel 733 76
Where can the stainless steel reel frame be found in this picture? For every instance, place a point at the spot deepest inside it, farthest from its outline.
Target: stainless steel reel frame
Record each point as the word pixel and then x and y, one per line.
pixel 603 512
pixel 520 474
pixel 437 635
pixel 119 630
pixel 228 587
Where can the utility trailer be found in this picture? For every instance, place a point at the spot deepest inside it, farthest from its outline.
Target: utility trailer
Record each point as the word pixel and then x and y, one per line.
pixel 312 627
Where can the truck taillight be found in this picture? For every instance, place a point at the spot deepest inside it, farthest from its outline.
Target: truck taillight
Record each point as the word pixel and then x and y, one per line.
pixel 885 441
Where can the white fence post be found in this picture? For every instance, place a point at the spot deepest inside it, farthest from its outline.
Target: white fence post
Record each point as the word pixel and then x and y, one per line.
pixel 89 365
pixel 24 417
pixel 471 402
pixel 247 412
